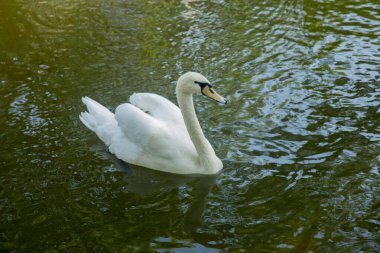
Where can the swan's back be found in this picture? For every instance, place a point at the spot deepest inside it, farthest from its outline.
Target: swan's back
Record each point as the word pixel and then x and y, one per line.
pixel 157 106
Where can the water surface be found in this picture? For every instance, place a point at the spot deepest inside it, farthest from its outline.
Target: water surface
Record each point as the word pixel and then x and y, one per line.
pixel 300 139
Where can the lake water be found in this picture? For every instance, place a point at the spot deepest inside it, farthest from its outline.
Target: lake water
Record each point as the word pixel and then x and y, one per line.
pixel 300 139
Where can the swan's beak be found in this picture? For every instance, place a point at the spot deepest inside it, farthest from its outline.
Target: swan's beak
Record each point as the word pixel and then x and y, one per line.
pixel 211 93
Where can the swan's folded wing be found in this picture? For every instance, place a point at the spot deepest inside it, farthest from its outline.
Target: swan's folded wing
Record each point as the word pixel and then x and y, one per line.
pixel 158 107
pixel 151 139
pixel 136 125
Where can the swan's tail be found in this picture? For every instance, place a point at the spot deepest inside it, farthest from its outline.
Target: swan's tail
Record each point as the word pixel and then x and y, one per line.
pixel 98 119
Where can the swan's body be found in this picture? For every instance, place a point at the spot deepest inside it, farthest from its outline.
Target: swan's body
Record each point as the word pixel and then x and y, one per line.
pixel 152 132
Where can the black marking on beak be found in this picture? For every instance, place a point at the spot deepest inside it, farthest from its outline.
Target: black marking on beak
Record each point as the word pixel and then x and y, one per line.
pixel 203 85
pixel 210 93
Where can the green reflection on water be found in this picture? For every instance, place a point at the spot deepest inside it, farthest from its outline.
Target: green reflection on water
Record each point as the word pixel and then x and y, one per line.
pixel 300 139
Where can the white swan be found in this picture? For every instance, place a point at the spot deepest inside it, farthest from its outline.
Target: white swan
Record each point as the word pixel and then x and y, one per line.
pixel 152 132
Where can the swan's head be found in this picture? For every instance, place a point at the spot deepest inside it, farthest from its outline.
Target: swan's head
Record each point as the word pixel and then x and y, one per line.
pixel 195 83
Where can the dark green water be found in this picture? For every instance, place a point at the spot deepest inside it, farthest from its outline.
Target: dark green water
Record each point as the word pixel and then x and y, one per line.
pixel 300 140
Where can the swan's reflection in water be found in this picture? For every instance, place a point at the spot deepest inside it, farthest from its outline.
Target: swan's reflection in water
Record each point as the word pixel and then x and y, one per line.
pixel 142 181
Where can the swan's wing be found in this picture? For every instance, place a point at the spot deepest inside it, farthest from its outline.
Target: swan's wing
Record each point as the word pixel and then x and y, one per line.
pixel 158 107
pixel 138 126
pixel 152 142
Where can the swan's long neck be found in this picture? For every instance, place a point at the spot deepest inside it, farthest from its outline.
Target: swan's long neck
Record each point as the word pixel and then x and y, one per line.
pixel 205 151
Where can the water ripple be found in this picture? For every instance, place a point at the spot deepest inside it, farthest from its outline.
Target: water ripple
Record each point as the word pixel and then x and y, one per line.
pixel 299 140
